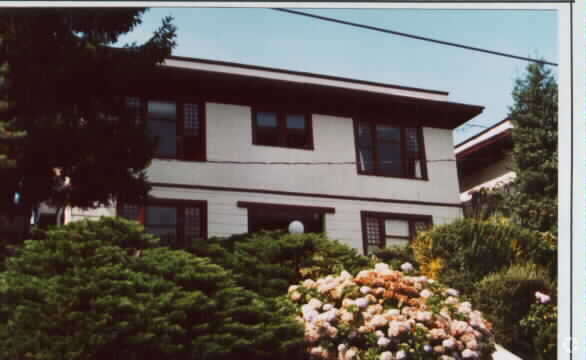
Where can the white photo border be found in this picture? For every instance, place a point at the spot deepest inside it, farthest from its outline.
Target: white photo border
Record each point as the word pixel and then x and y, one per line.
pixel 572 134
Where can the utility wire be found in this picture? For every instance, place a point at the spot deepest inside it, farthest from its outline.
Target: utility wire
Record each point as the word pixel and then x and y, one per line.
pixel 236 162
pixel 398 33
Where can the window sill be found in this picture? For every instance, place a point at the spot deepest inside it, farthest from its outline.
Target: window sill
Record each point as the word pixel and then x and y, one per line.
pixel 393 177
pixel 307 148
pixel 167 158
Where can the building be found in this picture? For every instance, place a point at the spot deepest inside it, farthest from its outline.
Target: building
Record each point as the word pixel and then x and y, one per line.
pixel 484 161
pixel 244 148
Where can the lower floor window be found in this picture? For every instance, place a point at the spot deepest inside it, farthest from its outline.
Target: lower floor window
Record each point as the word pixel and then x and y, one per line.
pixel 177 224
pixel 382 230
pixel 278 217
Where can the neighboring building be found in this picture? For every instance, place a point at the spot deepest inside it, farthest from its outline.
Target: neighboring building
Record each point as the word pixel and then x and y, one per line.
pixel 485 159
pixel 348 157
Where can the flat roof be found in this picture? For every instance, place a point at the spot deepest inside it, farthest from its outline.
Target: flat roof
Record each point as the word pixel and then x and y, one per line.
pixel 299 76
pixel 485 137
pixel 241 84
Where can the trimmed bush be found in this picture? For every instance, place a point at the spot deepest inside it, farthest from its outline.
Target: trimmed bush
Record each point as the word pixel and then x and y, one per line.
pixel 395 256
pixel 506 298
pixel 268 262
pixel 463 252
pixel 95 290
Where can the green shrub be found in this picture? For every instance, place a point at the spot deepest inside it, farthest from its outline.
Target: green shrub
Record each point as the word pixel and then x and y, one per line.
pixel 464 251
pixel 395 256
pixel 268 262
pixel 505 298
pixel 540 325
pixel 95 290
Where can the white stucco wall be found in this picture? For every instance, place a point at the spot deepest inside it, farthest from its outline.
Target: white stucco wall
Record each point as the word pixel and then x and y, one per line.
pixel 229 138
pixel 225 218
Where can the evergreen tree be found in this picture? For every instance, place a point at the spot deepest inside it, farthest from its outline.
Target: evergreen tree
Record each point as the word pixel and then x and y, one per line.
pixel 63 105
pixel 532 201
pixel 95 290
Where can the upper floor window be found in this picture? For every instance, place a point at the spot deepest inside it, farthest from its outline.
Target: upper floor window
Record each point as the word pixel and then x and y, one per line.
pixel 388 150
pixel 178 126
pixel 178 224
pixel 284 129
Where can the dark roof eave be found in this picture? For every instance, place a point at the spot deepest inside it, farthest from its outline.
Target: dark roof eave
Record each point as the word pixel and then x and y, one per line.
pixel 302 73
pixel 338 101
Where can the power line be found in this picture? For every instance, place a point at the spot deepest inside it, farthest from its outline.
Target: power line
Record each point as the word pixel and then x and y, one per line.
pixel 236 162
pixel 417 37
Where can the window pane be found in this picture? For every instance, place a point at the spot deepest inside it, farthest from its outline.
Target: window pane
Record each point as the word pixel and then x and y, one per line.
pixel 412 141
pixel 414 154
pixel 396 227
pixel 414 168
pixel 266 119
pixel 129 211
pixel 295 121
pixel 397 242
pixel 191 119
pixel 297 139
pixel 133 106
pixel 373 235
pixel 161 215
pixel 193 228
pixel 162 221
pixel 388 134
pixel 161 121
pixel 365 135
pixel 366 160
pixel 162 111
pixel 389 159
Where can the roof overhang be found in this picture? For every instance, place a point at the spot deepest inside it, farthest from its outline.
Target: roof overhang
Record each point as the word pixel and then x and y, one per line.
pixel 250 85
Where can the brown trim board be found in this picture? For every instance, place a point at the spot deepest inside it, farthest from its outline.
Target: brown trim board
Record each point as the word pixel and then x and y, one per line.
pixel 314 195
pixel 250 204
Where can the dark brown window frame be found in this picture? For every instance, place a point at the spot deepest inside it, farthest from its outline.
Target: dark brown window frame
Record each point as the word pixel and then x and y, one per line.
pixel 257 205
pixel 420 141
pixel 410 218
pixel 180 124
pixel 282 127
pixel 178 204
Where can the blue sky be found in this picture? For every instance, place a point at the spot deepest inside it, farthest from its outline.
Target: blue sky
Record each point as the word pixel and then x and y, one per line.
pixel 266 37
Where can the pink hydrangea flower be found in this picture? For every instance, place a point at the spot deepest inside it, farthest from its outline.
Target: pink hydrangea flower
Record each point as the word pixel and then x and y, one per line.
pixel 542 298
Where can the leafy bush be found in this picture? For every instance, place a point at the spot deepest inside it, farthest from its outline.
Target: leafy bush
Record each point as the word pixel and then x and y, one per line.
pixel 395 256
pixel 268 262
pixel 95 290
pixel 463 252
pixel 382 315
pixel 540 325
pixel 506 298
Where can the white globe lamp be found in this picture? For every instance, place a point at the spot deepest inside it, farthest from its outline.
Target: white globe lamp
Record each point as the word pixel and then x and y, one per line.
pixel 296 227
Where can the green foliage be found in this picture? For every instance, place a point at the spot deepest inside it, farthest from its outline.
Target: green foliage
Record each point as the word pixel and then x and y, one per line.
pixel 60 94
pixel 98 290
pixel 268 262
pixel 533 199
pixel 395 256
pixel 505 298
pixel 463 252
pixel 540 325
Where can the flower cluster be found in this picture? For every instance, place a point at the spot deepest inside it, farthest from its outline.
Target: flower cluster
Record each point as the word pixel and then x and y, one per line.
pixel 382 314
